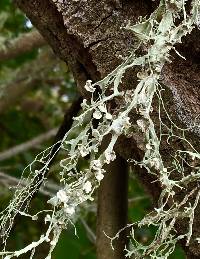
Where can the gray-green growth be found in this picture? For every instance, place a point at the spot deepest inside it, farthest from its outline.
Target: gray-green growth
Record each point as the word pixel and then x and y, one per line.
pixel 159 33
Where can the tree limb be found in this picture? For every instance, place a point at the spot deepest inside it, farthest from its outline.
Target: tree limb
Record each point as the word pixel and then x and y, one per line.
pixel 29 76
pixel 10 181
pixel 24 43
pixel 27 145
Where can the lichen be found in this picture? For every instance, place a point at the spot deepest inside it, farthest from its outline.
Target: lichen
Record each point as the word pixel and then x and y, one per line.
pixel 159 33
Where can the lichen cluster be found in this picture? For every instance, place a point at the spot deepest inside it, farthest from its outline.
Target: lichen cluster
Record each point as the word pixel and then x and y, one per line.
pixel 159 33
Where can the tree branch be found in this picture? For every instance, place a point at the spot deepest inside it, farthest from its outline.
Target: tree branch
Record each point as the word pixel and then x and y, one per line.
pixel 27 145
pixel 10 181
pixel 29 76
pixel 24 43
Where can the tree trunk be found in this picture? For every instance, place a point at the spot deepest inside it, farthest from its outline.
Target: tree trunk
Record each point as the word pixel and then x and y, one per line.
pixel 112 210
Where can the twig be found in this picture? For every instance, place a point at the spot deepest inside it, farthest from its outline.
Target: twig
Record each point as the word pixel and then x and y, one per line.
pixel 49 189
pixel 91 235
pixel 27 145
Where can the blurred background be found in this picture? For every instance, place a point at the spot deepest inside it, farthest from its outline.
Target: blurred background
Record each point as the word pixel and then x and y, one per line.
pixel 36 90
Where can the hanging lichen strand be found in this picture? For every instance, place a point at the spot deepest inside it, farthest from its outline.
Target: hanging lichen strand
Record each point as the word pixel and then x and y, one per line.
pixel 159 33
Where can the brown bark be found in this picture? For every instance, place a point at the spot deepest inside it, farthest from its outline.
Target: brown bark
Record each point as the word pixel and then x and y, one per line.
pixel 24 43
pixel 112 210
pixel 88 35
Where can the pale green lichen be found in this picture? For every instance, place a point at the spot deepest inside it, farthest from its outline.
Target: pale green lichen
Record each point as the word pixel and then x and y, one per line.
pixel 159 34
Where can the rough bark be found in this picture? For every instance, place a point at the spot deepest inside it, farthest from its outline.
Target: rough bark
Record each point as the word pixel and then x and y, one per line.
pixel 88 35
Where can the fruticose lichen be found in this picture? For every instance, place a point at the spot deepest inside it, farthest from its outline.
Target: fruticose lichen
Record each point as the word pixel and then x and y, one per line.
pixel 159 33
